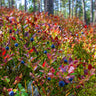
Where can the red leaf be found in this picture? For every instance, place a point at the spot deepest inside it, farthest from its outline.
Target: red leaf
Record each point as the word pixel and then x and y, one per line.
pixel 37 26
pixel 89 66
pixel 56 24
pixel 32 24
pixel 10 89
pixel 49 55
pixel 35 19
pixel 44 64
pixel 4 52
pixel 53 70
pixel 78 86
pixel 30 51
pixel 18 79
pixel 85 26
pixel 13 38
pixel 56 38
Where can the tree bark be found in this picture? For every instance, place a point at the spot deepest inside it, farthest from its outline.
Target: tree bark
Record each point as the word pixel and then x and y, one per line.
pixel 25 5
pixel 84 12
pixel 76 8
pixel 9 3
pixel 91 12
pixel 1 3
pixel 45 5
pixel 48 5
pixel 72 8
pixel 95 12
pixel 69 8
pixel 12 2
pixel 34 5
pixel 39 5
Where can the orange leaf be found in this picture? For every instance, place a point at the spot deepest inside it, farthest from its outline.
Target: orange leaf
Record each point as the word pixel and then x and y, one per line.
pixel 7 56
pixel 43 90
pixel 67 93
pixel 35 67
pixel 20 75
pixel 91 30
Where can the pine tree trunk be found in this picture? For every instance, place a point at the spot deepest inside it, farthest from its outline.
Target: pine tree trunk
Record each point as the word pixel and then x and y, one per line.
pixel 9 3
pixel 69 8
pixel 45 5
pixel 72 8
pixel 48 5
pixel 1 3
pixel 80 9
pixel 25 5
pixel 76 8
pixel 84 12
pixel 34 5
pixel 79 12
pixel 12 2
pixel 91 12
pixel 39 5
pixel 95 12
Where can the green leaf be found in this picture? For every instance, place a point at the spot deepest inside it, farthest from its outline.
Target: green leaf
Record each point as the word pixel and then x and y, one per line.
pixel 73 74
pixel 8 80
pixel 17 94
pixel 23 90
pixel 20 86
pixel 24 94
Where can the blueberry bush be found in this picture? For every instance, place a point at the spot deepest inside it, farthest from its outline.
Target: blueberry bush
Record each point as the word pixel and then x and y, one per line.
pixel 57 54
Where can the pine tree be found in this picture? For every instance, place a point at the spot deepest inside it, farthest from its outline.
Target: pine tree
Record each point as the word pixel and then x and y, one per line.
pixel 12 2
pixel 72 8
pixel 9 3
pixel 48 5
pixel 76 8
pixel 95 12
pixel 91 12
pixel 1 3
pixel 84 12
pixel 34 5
pixel 69 8
pixel 25 5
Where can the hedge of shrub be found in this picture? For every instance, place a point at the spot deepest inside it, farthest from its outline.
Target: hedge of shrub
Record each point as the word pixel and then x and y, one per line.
pixel 57 54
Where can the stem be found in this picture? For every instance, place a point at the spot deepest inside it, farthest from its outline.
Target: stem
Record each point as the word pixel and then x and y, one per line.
pixel 32 89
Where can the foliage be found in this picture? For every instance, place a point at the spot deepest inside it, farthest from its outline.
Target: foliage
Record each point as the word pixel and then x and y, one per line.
pixel 57 54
